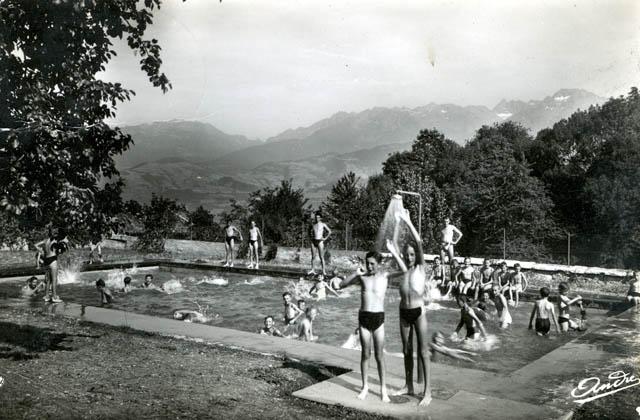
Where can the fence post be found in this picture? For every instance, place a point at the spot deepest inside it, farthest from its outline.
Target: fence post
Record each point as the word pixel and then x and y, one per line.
pixel 504 243
pixel 568 248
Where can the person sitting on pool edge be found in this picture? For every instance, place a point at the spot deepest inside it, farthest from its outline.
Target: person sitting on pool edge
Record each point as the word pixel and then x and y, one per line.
pixel 32 287
pixel 469 320
pixel 105 294
pixel 542 311
pixel 305 331
pixel 633 295
pixel 269 328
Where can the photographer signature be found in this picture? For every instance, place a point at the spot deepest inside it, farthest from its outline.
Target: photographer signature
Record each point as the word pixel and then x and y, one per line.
pixel 590 389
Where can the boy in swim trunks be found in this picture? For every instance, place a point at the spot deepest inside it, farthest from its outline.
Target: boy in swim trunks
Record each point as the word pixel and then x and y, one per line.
pixel 317 242
pixel 469 320
pixel 291 311
pixel 269 328
pixel 633 295
pixel 517 284
pixel 485 285
pixel 564 302
pixel 448 241
pixel 413 315
pixel 542 311
pixel 105 294
pixel 229 241
pixel 305 332
pixel 465 278
pixel 452 284
pixel 49 250
pixel 371 318
pixel 438 275
pixel 254 245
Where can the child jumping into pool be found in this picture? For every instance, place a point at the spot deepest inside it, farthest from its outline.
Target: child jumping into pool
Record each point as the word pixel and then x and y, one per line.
pixel 469 320
pixel 542 312
pixel 502 307
pixel 371 319
pixel 413 315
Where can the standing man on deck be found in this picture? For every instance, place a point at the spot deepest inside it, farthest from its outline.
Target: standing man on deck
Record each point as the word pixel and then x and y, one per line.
pixel 230 232
pixel 317 242
pixel 448 239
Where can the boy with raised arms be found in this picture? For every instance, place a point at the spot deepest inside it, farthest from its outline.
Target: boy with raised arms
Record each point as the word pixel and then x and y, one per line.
pixel 371 318
pixel 413 315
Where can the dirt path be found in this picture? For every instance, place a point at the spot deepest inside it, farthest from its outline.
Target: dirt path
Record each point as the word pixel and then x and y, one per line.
pixel 60 368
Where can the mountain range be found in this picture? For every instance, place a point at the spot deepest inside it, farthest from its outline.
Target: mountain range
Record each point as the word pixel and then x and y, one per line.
pixel 199 164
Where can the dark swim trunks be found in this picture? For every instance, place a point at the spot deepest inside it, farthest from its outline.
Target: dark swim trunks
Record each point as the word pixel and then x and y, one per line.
pixel 411 315
pixel 228 239
pixel 562 319
pixel 48 260
pixel 471 332
pixel 317 242
pixel 543 326
pixel 370 320
pixel 634 294
pixel 252 242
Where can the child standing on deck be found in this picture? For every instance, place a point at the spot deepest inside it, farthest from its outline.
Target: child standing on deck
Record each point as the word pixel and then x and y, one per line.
pixel 371 319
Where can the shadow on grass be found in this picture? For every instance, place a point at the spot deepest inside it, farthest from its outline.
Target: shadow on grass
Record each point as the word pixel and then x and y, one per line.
pixel 22 341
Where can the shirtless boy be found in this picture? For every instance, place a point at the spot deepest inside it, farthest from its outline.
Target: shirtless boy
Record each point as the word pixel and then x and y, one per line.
pixel 32 287
pixel 465 278
pixel 485 285
pixel 517 284
pixel 502 306
pixel 291 311
pixel 254 245
pixel 542 312
pixel 305 332
pixel 413 315
pixel 269 328
pixel 437 277
pixel 564 302
pixel 49 249
pixel 105 294
pixel 470 320
pixel 633 295
pixel 229 241
pixel 449 239
pixel 371 319
pixel 317 241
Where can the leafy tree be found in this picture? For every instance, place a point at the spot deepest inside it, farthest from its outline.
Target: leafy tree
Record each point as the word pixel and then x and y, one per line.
pixel 373 203
pixel 497 192
pixel 203 225
pixel 160 218
pixel 340 207
pixel 56 151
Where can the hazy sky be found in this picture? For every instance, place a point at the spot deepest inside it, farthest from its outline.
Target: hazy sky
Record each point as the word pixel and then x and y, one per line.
pixel 259 67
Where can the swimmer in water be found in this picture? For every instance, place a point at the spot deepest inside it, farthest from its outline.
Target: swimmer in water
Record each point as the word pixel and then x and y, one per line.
pixel 105 294
pixel 633 295
pixel 302 305
pixel 127 285
pixel 564 302
pixel 188 315
pixel 229 241
pixel 317 242
pixel 413 315
pixel 469 320
pixel 542 312
pixel 450 236
pixel 148 282
pixel 437 345
pixel 335 281
pixel 321 287
pixel 517 284
pixel 371 319
pixel 33 286
pixel 269 328
pixel 255 243
pixel 305 331
pixel 49 250
pixel 291 311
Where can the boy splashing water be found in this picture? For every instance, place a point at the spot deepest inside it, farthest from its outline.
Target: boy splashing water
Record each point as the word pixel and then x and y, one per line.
pixel 371 319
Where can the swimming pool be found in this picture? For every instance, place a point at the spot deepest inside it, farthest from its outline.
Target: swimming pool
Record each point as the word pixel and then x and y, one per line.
pixel 241 301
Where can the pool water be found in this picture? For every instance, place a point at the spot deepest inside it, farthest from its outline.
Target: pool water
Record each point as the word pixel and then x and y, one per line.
pixel 241 302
